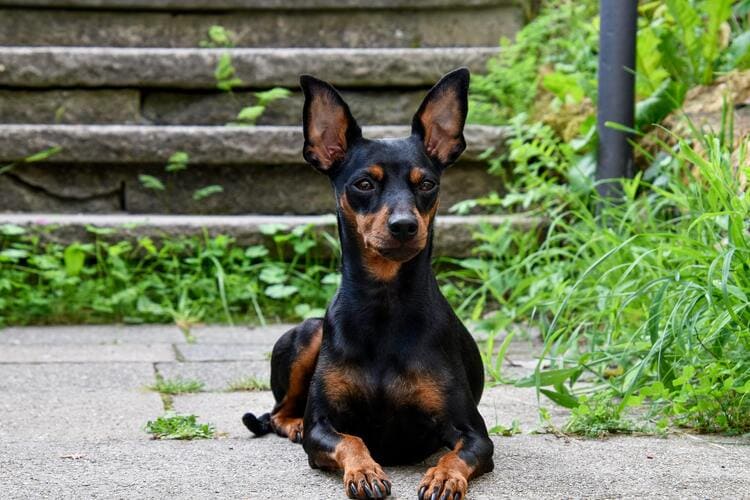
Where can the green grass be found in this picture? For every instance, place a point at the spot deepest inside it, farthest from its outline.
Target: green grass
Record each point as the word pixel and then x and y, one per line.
pixel 186 281
pixel 177 386
pixel 642 301
pixel 172 426
pixel 505 431
pixel 248 384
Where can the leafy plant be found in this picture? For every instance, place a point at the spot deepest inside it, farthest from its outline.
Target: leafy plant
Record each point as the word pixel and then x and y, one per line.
pixel 185 281
pixel 250 115
pixel 218 37
pixel 177 386
pixel 36 157
pixel 173 426
pixel 226 74
pixel 178 162
pixel 501 430
pixel 248 384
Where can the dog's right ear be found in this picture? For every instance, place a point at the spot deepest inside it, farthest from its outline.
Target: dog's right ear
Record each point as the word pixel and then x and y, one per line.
pixel 329 127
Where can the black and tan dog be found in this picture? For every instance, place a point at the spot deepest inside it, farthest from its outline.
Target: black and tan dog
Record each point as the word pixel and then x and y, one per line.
pixel 390 375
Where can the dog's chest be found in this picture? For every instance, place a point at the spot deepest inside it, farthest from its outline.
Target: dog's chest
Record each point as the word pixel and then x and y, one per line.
pixel 351 388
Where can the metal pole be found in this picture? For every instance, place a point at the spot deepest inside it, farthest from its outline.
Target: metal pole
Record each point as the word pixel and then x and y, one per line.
pixel 616 91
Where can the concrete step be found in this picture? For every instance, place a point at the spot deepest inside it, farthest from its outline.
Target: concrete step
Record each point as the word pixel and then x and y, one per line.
pixel 239 5
pixel 112 67
pixel 180 107
pixel 284 23
pixel 262 145
pixel 453 234
pixel 259 168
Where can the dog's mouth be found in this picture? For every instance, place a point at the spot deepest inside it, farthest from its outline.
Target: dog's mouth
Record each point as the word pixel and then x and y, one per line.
pixel 400 252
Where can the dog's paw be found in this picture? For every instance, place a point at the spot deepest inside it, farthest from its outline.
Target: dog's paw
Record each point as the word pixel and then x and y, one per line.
pixel 442 483
pixel 288 427
pixel 367 481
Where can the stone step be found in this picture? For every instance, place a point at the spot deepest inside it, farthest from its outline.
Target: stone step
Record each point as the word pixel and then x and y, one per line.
pixel 284 23
pixel 262 145
pixel 180 107
pixel 181 68
pixel 453 235
pixel 239 5
pixel 259 168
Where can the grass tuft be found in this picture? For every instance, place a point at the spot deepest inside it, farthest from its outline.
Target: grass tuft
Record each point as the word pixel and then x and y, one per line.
pixel 172 426
pixel 177 386
pixel 248 384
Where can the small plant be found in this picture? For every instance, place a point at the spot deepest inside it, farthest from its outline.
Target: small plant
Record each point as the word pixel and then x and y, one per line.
pixel 177 386
pixel 173 426
pixel 226 74
pixel 501 430
pixel 248 384
pixel 37 157
pixel 218 37
pixel 250 115
pixel 178 162
pixel 596 416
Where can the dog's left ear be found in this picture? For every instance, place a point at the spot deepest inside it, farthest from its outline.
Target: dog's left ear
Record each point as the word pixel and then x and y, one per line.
pixel 439 122
pixel 328 125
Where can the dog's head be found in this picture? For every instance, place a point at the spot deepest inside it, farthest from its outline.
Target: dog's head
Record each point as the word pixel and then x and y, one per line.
pixel 387 189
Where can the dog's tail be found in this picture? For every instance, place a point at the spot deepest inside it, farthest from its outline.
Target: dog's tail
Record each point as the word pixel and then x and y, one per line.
pixel 259 426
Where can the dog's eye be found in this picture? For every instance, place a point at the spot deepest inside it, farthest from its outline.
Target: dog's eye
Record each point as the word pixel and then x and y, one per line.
pixel 364 185
pixel 426 185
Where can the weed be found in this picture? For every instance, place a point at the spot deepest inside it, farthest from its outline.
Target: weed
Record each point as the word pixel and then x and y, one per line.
pixel 177 386
pixel 185 281
pixel 248 384
pixel 501 430
pixel 173 426
pixel 178 162
pixel 596 416
pixel 218 37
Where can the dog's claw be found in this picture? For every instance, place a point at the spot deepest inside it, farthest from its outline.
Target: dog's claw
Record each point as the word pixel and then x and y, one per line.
pixel 368 490
pixel 420 495
pixel 457 495
pixel 352 490
pixel 376 488
pixel 447 495
pixel 387 487
pixel 434 494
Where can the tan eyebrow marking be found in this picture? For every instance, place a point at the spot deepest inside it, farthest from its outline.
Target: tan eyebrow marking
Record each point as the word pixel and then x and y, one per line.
pixel 416 175
pixel 376 171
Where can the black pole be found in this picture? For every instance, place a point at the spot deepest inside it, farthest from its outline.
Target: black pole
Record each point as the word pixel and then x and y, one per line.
pixel 619 20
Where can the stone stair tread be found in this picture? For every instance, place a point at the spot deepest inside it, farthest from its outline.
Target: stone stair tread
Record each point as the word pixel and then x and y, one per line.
pixel 193 68
pixel 453 232
pixel 251 4
pixel 206 145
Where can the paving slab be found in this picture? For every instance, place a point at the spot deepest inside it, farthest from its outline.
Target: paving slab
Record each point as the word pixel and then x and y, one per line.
pixel 91 334
pixel 270 468
pixel 86 353
pixel 265 335
pixel 25 378
pixel 224 352
pixel 76 416
pixel 500 406
pixel 225 410
pixel 216 376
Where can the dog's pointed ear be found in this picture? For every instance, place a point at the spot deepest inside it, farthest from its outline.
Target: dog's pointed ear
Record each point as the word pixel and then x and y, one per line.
pixel 329 127
pixel 439 122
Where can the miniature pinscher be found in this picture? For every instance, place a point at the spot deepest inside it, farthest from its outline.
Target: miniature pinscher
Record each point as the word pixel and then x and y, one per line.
pixel 390 375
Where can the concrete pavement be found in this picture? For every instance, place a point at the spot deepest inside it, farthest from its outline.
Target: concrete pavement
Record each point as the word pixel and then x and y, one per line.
pixel 73 404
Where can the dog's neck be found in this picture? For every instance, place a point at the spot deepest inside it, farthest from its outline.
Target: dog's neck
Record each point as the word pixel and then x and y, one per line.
pixel 412 278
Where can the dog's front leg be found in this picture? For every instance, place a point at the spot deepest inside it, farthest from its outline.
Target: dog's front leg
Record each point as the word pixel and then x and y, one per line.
pixel 331 450
pixel 471 456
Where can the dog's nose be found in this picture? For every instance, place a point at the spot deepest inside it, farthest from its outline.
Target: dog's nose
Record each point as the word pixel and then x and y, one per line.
pixel 403 227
